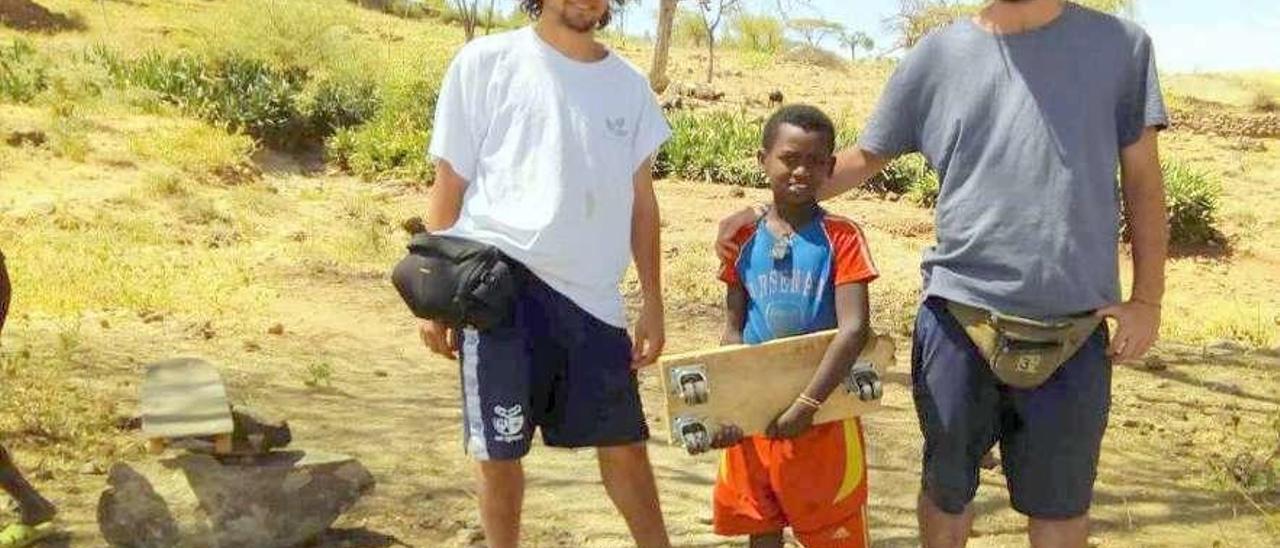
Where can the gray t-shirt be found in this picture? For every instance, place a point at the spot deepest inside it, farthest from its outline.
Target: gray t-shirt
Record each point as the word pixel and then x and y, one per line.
pixel 1024 131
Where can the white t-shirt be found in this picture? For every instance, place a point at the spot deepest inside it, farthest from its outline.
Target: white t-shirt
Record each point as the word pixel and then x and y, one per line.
pixel 549 146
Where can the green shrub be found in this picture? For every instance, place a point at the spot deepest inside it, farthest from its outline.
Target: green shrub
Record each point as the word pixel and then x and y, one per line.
pixel 910 175
pixel 715 146
pixel 1191 199
pixel 334 104
pixel 392 144
pixel 281 107
pixel 24 73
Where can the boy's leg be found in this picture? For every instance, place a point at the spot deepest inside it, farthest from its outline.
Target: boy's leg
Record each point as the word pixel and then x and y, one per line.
pixel 628 478
pixel 957 402
pixel 33 508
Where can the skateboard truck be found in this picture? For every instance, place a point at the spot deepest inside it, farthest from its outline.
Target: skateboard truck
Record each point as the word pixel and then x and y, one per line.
pixel 691 432
pixel 864 382
pixel 690 383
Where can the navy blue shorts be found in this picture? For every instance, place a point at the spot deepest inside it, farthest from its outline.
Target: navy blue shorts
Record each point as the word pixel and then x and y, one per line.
pixel 555 367
pixel 1049 436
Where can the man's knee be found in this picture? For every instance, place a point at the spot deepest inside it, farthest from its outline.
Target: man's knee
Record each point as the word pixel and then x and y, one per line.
pixel 500 470
pixel 627 453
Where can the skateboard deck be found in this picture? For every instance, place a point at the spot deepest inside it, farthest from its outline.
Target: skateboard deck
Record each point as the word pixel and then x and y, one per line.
pixel 185 398
pixel 749 386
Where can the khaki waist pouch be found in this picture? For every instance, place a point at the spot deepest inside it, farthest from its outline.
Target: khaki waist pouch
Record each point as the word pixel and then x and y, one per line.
pixel 1022 352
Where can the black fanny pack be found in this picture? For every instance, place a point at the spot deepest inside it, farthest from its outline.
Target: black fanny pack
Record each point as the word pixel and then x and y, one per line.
pixel 456 281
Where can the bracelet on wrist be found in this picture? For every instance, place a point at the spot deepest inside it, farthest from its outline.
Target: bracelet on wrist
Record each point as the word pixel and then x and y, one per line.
pixel 805 400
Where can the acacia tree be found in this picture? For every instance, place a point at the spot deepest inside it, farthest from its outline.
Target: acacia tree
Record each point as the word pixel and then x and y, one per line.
pixel 814 30
pixel 468 13
pixel 713 12
pixel 856 40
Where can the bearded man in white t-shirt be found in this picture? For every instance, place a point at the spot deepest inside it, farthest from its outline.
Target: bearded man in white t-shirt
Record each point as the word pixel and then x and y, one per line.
pixel 543 140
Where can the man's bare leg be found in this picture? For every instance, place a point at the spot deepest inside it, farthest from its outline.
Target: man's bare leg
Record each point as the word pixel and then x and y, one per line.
pixel 939 529
pixel 501 498
pixel 34 508
pixel 1064 533
pixel 628 478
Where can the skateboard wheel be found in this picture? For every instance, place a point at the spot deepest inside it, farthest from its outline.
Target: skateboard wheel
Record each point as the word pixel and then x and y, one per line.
pixel 694 394
pixel 690 383
pixel 693 434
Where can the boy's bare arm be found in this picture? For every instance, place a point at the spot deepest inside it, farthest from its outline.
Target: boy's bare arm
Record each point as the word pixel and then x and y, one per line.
pixel 735 314
pixel 853 315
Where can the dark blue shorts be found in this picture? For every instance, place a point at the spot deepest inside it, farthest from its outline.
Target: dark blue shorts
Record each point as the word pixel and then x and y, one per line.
pixel 1049 436
pixel 556 367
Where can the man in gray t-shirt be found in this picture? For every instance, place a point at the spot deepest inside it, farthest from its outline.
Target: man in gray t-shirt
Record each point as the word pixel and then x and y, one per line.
pixel 1025 111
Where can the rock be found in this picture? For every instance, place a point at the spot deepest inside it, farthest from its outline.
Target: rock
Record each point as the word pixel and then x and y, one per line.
pixel 737 192
pixel 252 346
pixel 275 500
pixel 104 323
pixel 1154 363
pixel 379 373
pixel 277 329
pixel 91 469
pixel 252 432
pixel 776 98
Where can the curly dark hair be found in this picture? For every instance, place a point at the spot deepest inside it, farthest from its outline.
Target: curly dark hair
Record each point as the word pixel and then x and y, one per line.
pixel 534 9
pixel 806 117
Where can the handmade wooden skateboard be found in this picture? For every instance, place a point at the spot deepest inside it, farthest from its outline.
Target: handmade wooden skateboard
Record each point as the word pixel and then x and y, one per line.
pixel 185 398
pixel 749 386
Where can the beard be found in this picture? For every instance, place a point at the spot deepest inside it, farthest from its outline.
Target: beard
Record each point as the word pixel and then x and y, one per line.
pixel 580 21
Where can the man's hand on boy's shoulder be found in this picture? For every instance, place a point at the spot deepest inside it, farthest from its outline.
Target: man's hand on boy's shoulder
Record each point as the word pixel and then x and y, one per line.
pixel 791 423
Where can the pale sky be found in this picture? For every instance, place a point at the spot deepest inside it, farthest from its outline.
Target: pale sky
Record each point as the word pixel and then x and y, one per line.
pixel 1189 35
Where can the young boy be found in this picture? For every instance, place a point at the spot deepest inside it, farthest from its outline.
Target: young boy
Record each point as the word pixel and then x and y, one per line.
pixel 36 513
pixel 799 270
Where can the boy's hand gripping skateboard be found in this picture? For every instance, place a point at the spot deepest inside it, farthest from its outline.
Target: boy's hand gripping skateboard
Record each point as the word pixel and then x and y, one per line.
pixel 749 386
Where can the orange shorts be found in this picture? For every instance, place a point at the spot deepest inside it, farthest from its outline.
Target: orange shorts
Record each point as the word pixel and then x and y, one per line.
pixel 816 484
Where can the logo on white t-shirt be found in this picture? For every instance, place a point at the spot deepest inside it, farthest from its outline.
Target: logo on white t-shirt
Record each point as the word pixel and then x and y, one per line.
pixel 617 127
pixel 509 423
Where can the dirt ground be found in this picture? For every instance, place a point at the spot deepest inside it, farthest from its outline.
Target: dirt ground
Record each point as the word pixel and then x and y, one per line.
pixel 390 404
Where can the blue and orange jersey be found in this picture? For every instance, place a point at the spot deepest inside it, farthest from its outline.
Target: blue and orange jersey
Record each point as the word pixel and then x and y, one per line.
pixel 796 294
